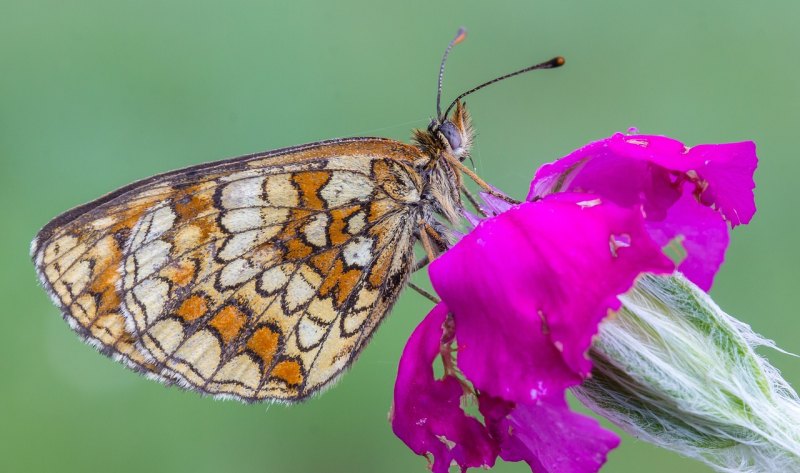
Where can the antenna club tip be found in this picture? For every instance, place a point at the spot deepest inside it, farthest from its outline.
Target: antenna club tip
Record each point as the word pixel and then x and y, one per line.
pixel 558 61
pixel 461 35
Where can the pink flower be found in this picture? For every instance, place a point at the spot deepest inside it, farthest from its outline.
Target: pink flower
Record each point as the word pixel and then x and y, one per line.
pixel 524 292
pixel 666 180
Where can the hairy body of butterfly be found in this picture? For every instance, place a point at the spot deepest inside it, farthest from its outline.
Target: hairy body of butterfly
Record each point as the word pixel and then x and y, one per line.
pixel 260 277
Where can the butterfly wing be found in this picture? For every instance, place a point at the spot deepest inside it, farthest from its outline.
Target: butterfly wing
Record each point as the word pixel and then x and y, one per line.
pixel 257 278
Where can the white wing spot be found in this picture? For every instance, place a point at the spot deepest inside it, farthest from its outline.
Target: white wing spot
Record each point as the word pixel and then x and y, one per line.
pixel 152 294
pixel 238 245
pixel 356 223
pixel 202 351
pixel 236 272
pixel 273 279
pixel 345 187
pixel 281 192
pixel 298 292
pixel 316 231
pixel 241 220
pixel 151 257
pixel 309 333
pixel 358 252
pixel 160 221
pixel 243 193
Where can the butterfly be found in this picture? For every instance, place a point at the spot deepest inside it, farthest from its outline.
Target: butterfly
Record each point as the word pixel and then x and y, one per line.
pixel 260 277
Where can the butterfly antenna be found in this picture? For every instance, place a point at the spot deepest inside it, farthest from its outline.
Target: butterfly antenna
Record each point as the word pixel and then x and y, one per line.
pixel 462 33
pixel 551 64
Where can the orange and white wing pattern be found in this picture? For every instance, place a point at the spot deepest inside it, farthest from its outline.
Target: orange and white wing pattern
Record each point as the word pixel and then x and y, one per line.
pixel 256 278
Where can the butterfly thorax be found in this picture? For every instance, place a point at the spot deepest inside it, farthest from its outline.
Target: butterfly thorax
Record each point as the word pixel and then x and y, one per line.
pixel 444 142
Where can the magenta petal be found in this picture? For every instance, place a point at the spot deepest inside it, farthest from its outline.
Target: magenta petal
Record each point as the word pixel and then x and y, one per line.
pixel 493 205
pixel 615 171
pixel 548 436
pixel 655 173
pixel 529 287
pixel 473 219
pixel 427 412
pixel 723 173
pixel 702 233
pixel 625 168
pixel 728 169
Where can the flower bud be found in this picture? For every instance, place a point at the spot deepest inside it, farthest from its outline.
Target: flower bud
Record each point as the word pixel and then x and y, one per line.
pixel 673 369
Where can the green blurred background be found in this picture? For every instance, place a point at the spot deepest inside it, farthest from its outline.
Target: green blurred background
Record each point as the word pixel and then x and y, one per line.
pixel 95 94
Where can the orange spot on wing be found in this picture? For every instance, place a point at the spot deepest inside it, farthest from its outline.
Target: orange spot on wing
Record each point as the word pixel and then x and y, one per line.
pixel 338 223
pixel 191 202
pixel 381 169
pixel 264 343
pixel 379 269
pixel 131 215
pixel 378 209
pixel 182 274
pixel 323 261
pixel 342 281
pixel 105 286
pixel 228 322
pixel 310 183
pixel 288 371
pixel 297 249
pixel 106 282
pixel 129 219
pixel 207 226
pixel 192 308
pixel 347 282
pixel 331 279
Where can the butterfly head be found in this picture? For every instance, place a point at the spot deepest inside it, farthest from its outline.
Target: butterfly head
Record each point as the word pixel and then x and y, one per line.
pixel 454 134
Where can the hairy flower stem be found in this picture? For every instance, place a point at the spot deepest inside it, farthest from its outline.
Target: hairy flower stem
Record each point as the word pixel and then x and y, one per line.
pixel 675 370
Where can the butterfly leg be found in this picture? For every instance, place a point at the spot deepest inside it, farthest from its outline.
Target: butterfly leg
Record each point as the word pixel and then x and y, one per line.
pixel 428 238
pixel 486 187
pixel 421 263
pixel 447 350
pixel 424 293
pixel 427 241
pixel 472 200
pixel 433 243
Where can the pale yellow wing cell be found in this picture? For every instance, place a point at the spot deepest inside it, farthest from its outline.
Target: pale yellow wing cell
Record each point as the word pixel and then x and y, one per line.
pixel 256 278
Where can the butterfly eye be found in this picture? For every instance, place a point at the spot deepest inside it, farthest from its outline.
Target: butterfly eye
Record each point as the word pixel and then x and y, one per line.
pixel 452 135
